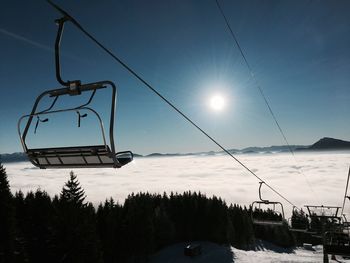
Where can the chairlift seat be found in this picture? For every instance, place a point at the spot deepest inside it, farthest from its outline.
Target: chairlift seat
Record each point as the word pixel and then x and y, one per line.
pixel 267 222
pixel 78 157
pixel 297 226
pixel 299 230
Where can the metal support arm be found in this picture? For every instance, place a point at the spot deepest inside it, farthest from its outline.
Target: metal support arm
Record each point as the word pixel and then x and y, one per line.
pixel 262 200
pixel 73 85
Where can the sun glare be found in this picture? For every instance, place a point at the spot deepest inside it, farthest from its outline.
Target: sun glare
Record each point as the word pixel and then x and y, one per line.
pixel 217 102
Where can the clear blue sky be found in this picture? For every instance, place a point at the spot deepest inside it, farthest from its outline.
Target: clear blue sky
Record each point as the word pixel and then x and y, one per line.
pixel 299 51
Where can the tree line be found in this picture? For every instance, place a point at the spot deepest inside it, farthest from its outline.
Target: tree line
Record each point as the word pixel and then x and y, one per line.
pixel 35 227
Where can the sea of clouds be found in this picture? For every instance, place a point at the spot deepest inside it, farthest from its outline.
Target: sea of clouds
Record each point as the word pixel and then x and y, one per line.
pixel 309 178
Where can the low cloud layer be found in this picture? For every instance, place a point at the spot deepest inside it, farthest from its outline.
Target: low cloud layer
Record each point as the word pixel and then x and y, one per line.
pixel 321 181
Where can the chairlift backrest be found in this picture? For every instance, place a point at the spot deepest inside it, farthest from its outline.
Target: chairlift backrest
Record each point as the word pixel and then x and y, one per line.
pixel 267 213
pixel 323 212
pixel 299 221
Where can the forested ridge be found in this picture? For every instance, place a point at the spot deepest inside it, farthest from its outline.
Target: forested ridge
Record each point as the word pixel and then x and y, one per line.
pixel 35 227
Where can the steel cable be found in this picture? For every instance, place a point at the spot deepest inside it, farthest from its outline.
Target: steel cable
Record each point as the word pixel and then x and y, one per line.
pixel 122 63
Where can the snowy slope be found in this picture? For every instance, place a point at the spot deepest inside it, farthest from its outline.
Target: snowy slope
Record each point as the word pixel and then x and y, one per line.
pixel 213 253
pixel 268 256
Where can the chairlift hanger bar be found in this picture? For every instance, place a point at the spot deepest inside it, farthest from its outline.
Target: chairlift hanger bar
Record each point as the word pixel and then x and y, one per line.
pixel 60 23
pixel 68 17
pixel 265 201
pixel 73 85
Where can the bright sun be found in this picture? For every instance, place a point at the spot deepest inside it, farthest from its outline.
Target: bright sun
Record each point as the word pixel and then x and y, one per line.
pixel 217 102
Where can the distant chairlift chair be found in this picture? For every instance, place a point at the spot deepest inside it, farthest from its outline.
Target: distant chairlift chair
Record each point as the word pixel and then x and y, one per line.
pixel 336 240
pixel 75 156
pixel 323 218
pixel 271 217
pixel 335 235
pixel 298 224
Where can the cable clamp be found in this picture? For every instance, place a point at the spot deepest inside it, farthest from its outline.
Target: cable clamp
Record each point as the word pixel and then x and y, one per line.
pixel 61 20
pixel 74 87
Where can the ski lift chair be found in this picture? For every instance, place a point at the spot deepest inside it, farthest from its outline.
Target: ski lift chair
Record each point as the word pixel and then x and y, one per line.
pixel 323 217
pixel 298 224
pixel 336 239
pixel 271 217
pixel 89 156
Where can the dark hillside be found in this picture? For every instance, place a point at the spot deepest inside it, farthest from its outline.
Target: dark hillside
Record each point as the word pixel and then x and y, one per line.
pixel 66 228
pixel 330 144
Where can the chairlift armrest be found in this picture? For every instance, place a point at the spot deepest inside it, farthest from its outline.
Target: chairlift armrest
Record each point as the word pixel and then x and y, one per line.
pixel 81 88
pixel 93 86
pixel 124 157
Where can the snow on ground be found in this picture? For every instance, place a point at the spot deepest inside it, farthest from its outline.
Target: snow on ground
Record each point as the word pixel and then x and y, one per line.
pixel 269 256
pixel 325 172
pixel 213 253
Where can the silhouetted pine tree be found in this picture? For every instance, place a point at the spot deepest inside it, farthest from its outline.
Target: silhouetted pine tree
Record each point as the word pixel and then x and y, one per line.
pixel 139 217
pixel 20 243
pixel 72 191
pixel 109 226
pixel 68 229
pixel 299 220
pixel 164 229
pixel 7 219
pixel 243 234
pixel 76 237
pixel 37 226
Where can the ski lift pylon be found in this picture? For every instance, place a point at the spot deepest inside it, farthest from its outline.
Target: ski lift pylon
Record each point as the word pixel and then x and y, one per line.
pixel 336 240
pixel 272 216
pixel 103 155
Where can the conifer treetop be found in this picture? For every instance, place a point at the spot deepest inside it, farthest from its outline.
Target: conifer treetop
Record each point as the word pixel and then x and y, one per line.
pixel 4 183
pixel 72 191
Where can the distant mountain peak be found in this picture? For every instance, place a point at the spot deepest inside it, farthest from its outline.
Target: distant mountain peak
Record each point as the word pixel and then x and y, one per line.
pixel 328 143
